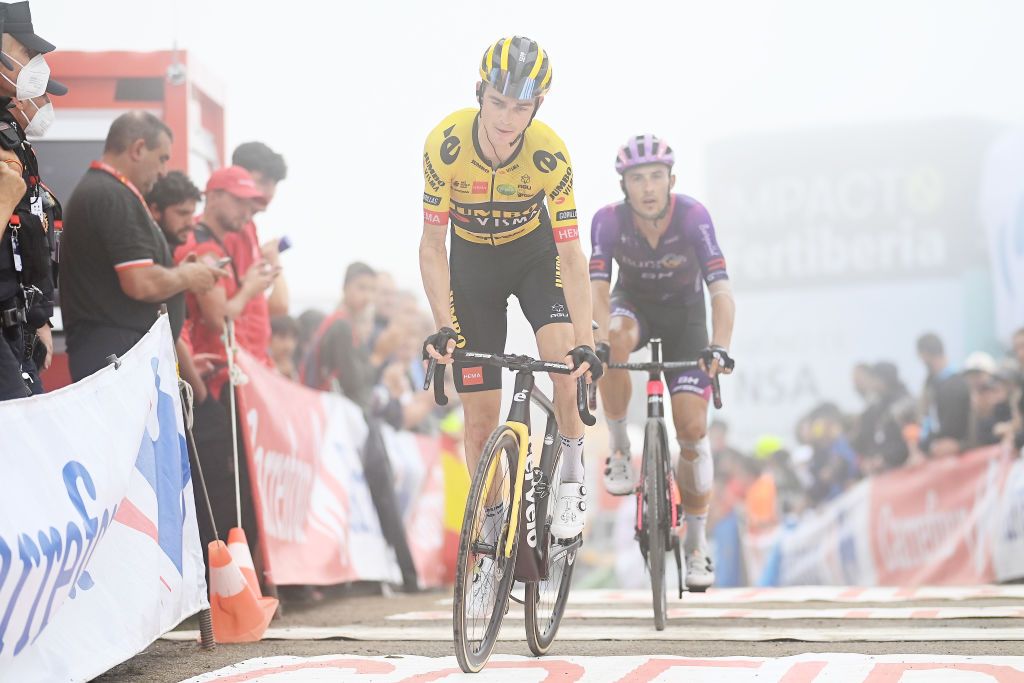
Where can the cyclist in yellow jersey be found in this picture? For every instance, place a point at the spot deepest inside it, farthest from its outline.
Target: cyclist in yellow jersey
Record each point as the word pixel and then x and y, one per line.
pixel 502 183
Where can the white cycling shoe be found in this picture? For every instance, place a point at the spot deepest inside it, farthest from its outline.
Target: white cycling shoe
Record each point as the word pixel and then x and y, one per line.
pixel 570 512
pixel 700 571
pixel 619 477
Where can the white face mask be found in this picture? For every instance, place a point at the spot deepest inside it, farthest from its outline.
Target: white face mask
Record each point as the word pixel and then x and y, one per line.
pixel 41 122
pixel 32 78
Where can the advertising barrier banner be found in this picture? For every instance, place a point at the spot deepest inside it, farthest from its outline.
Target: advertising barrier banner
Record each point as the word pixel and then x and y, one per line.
pixel 99 546
pixel 318 524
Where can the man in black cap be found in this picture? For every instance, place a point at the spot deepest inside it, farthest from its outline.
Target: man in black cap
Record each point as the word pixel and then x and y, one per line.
pixel 26 279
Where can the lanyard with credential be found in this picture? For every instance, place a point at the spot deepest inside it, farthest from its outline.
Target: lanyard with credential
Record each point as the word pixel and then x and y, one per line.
pixel 107 168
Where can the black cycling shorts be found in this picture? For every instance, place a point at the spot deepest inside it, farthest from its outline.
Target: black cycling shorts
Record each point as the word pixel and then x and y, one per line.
pixel 482 279
pixel 683 332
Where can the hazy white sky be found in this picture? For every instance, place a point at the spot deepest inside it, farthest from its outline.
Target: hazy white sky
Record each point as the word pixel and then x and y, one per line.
pixel 348 91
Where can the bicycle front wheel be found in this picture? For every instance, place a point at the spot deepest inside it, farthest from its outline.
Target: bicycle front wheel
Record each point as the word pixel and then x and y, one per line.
pixel 655 516
pixel 545 600
pixel 483 574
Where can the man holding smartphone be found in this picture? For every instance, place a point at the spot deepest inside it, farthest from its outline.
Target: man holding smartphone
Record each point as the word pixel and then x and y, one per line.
pixel 231 199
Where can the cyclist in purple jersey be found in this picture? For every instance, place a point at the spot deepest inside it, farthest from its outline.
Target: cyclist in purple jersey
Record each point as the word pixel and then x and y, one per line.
pixel 665 247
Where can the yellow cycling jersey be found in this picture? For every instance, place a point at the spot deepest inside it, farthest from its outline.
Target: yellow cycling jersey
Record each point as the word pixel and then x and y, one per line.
pixel 497 205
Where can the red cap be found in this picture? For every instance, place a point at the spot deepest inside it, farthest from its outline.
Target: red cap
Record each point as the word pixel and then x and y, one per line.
pixel 234 180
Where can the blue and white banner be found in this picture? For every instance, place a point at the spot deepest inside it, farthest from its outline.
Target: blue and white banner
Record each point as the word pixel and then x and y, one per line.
pixel 99 547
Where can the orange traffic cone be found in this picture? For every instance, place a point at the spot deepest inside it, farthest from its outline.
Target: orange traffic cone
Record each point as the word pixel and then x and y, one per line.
pixel 240 615
pixel 238 546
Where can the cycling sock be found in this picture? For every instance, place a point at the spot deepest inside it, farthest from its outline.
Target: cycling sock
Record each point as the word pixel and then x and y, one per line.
pixel 694 538
pixel 572 459
pixel 618 436
pixel 696 475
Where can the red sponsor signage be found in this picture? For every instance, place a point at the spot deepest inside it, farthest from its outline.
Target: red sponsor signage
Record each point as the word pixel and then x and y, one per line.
pixel 435 217
pixel 316 519
pixel 567 234
pixel 480 187
pixel 472 376
pixel 929 524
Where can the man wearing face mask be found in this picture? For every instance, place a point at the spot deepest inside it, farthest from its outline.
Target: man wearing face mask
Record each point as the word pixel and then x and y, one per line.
pixel 36 116
pixel 26 282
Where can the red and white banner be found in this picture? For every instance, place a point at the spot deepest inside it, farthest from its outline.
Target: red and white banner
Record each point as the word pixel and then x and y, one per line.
pixel 946 522
pixel 318 525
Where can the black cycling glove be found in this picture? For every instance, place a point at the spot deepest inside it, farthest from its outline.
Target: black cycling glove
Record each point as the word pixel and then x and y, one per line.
pixel 585 354
pixel 439 340
pixel 715 352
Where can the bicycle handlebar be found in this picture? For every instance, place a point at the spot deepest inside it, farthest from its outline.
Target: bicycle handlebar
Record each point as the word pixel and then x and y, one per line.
pixel 716 389
pixel 435 375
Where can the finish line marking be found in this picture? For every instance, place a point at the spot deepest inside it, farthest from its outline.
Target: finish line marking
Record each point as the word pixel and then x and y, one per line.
pixel 807 668
pixel 924 613
pixel 840 594
pixel 569 632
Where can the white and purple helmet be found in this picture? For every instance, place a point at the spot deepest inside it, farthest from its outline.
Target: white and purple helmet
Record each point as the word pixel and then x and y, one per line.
pixel 644 149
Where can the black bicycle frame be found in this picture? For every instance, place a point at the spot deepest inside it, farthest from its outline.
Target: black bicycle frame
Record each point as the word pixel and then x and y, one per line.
pixel 532 558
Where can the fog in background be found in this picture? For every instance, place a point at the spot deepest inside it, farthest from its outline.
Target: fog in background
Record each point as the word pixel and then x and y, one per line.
pixel 874 124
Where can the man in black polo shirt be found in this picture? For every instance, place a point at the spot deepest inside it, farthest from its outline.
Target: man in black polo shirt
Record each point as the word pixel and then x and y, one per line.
pixel 116 266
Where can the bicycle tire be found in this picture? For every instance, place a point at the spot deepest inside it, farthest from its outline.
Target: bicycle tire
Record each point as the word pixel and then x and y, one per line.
pixel 502 442
pixel 543 617
pixel 656 517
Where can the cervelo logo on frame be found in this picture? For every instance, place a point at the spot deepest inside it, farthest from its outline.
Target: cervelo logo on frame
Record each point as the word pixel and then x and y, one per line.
pixel 473 376
pixel 520 397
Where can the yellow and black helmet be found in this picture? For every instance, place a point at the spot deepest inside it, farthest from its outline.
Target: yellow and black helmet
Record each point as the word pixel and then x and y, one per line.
pixel 517 67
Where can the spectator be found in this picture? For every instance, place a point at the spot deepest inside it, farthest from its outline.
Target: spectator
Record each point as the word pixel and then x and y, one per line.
pixel 878 437
pixel 309 322
pixel 284 339
pixel 990 399
pixel 116 265
pixel 231 196
pixel 833 466
pixel 172 203
pixel 718 436
pixel 1016 427
pixel 267 169
pixel 946 401
pixel 337 358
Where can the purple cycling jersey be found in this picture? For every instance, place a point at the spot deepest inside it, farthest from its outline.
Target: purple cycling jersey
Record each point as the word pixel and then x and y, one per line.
pixel 670 273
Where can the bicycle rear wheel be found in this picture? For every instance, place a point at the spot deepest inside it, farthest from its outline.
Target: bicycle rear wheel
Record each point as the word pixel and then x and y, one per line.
pixel 483 575
pixel 655 516
pixel 545 600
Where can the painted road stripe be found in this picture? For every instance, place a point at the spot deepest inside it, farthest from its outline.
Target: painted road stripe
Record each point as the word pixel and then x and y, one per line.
pixel 629 632
pixel 807 668
pixel 841 594
pixel 996 612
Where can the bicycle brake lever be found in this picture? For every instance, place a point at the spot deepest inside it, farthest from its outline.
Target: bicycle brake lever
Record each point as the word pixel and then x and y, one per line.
pixel 581 403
